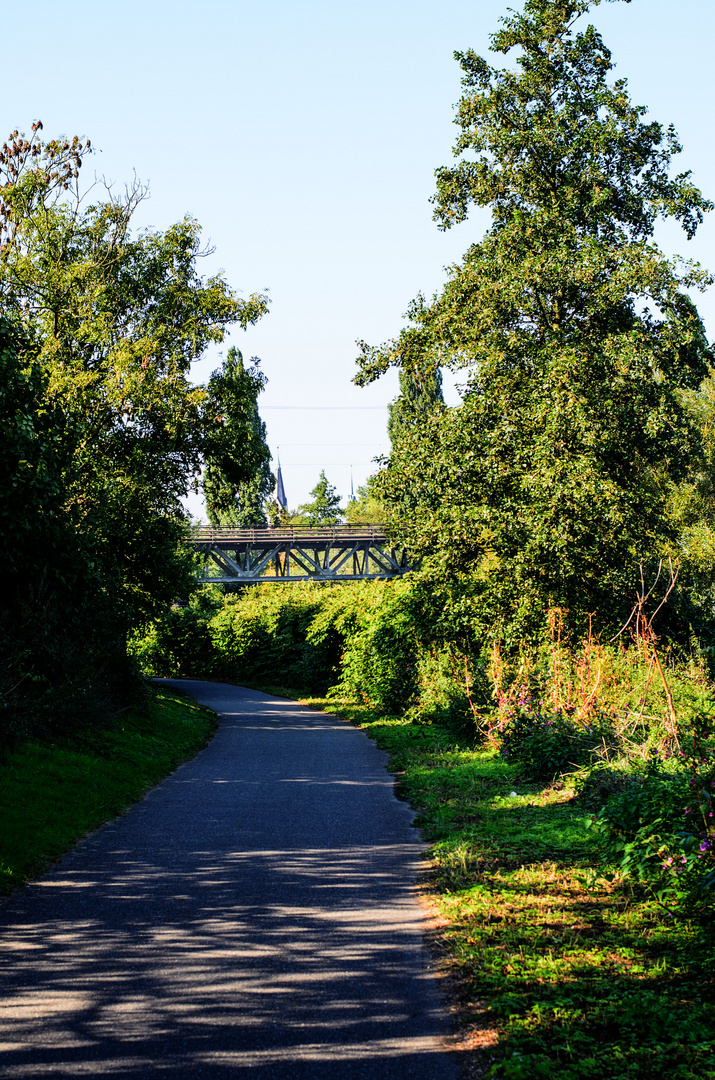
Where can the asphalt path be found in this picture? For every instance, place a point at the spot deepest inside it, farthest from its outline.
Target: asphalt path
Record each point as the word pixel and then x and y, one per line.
pixel 255 914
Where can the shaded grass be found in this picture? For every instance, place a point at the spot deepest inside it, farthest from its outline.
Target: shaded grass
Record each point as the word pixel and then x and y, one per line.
pixel 557 972
pixel 54 792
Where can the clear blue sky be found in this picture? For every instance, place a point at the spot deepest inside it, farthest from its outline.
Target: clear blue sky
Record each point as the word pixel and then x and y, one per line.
pixel 304 135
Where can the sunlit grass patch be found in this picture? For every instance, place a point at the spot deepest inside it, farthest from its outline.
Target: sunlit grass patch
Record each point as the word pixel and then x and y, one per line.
pixel 583 982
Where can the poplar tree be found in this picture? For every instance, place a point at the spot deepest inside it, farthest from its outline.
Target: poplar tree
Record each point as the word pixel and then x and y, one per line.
pixel 237 477
pixel 420 395
pixel 575 336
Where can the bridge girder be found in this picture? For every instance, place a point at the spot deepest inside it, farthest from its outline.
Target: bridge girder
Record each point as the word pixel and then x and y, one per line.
pixel 264 556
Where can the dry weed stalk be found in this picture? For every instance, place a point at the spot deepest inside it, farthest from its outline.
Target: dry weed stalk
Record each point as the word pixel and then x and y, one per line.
pixel 646 638
pixel 583 685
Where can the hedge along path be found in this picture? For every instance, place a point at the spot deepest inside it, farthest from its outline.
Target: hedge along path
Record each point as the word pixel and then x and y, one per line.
pixel 256 912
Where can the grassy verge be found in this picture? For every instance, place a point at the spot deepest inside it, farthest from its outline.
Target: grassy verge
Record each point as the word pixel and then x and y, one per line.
pixel 52 793
pixel 557 972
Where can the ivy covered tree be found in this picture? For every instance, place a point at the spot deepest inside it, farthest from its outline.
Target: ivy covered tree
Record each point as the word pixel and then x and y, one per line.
pixel 575 336
pixel 233 502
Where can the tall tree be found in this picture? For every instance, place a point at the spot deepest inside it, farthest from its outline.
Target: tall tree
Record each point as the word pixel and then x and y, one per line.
pixel 324 507
pixel 420 395
pixel 232 502
pixel 109 322
pixel 575 333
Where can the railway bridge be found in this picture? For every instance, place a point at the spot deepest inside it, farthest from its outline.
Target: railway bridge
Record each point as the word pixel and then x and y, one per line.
pixel 234 557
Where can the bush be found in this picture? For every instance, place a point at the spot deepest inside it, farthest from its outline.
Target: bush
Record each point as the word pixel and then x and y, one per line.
pixel 659 831
pixel 596 783
pixel 179 643
pixel 359 638
pixel 453 691
pixel 546 745
pixel 379 661
pixel 259 635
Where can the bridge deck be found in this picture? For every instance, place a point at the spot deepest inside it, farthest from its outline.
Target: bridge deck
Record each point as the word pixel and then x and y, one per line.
pixel 298 553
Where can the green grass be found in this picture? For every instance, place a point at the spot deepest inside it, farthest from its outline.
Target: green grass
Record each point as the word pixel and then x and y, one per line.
pixel 53 793
pixel 557 972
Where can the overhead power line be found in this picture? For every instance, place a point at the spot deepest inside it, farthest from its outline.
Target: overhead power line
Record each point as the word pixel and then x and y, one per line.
pixel 327 442
pixel 321 464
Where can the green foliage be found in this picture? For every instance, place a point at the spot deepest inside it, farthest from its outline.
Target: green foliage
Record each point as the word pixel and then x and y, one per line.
pixel 323 508
pixel 366 508
pixel 576 337
pixel 379 658
pixel 31 451
pixel 179 644
pixel 660 832
pixel 59 637
pixel 452 690
pixel 232 500
pixel 420 396
pixel 546 746
pixel 360 638
pixel 262 635
pixel 691 508
pixel 103 430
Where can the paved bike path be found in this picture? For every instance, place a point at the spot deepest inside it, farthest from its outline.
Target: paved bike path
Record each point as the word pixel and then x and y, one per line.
pixel 254 915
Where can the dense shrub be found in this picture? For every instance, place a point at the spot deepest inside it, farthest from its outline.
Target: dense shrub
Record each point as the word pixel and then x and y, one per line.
pixel 379 661
pixel 546 745
pixel 261 635
pixel 179 643
pixel 360 638
pixel 659 829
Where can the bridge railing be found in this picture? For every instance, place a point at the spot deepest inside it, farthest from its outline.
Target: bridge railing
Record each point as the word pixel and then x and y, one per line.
pixel 295 533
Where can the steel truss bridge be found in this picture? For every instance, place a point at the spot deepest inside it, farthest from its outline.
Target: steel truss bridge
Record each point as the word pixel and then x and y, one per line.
pixel 297 553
